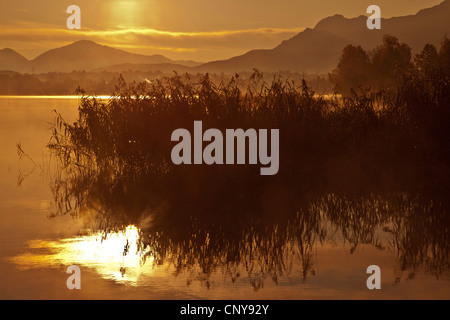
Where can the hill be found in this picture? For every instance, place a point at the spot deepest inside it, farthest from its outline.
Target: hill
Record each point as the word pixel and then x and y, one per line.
pixel 82 55
pixel 11 60
pixel 314 50
pixel 319 49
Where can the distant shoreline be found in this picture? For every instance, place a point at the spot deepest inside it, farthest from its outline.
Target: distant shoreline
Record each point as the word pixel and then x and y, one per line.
pixel 47 97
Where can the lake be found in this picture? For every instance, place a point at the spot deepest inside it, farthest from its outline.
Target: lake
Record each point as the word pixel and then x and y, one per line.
pixel 319 250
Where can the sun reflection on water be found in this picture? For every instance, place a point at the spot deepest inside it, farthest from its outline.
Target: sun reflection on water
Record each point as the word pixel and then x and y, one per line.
pixel 114 256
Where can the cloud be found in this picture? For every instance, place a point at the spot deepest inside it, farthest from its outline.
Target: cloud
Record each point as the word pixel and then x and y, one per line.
pixel 151 40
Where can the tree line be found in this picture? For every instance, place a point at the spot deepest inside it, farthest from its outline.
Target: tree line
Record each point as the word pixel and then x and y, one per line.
pixel 388 64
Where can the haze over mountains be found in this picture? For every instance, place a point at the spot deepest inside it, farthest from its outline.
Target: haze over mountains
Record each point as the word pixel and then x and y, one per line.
pixel 312 50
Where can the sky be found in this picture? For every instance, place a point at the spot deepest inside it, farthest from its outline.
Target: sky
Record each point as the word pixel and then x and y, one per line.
pixel 200 30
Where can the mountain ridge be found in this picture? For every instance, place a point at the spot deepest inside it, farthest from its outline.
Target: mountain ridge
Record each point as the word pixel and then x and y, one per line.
pixel 9 57
pixel 314 50
pixel 87 55
pixel 81 55
pixel 330 35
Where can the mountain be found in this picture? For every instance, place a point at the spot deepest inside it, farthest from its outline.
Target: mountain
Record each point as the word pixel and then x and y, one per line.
pixel 319 49
pixel 313 50
pixel 11 60
pixel 428 25
pixel 87 55
pixel 310 51
pixel 81 55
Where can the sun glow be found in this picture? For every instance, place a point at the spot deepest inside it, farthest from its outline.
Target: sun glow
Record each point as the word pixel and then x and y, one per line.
pixel 115 256
pixel 126 13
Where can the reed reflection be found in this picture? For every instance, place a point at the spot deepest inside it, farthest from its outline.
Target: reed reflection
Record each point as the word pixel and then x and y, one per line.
pixel 260 235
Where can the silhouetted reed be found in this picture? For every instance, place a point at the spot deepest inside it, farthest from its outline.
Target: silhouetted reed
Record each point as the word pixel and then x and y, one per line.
pixel 354 164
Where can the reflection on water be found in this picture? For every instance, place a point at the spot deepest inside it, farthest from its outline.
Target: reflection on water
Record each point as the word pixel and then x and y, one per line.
pixel 114 256
pixel 411 230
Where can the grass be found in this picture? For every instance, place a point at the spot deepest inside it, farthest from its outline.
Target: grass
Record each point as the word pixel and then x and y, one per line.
pixel 392 139
pixel 369 162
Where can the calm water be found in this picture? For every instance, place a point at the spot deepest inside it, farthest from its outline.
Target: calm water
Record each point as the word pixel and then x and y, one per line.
pixel 321 251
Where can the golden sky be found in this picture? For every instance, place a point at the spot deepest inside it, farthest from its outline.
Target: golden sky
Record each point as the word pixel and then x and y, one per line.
pixel 199 30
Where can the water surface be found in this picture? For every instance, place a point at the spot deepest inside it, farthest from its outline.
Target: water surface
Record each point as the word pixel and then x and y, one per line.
pixel 318 248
